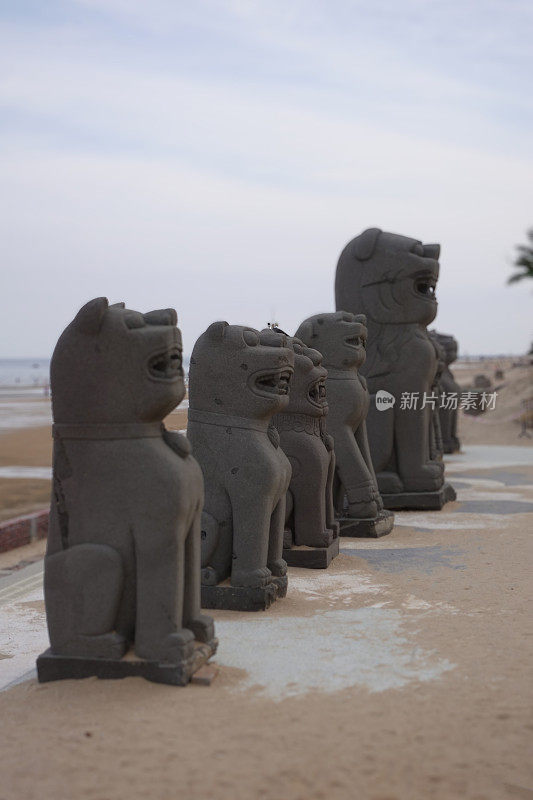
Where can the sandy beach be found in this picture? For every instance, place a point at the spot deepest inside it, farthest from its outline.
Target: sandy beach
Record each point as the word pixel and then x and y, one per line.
pixel 402 673
pixel 501 424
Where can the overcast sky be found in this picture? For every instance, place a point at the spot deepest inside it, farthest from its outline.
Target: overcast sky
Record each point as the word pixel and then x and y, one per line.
pixel 216 155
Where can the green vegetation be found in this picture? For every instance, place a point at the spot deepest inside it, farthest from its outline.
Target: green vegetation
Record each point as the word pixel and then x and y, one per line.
pixel 524 260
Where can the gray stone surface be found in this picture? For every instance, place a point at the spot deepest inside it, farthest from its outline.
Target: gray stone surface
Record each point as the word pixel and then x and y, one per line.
pixel 239 598
pixel 423 501
pixel 392 279
pixel 236 385
pixel 410 559
pixel 341 338
pixel 312 557
pixel 448 386
pixel 436 444
pixel 123 556
pixel 178 673
pixel 367 528
pixel 310 516
pixel 504 476
pixel 495 507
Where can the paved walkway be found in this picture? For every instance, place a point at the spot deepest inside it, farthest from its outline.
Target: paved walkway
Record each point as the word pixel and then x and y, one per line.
pixel 493 485
pixel 403 672
pixel 23 633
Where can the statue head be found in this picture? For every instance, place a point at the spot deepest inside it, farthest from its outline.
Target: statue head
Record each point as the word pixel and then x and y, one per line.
pixel 113 365
pixel 308 383
pixel 232 372
pixel 390 278
pixel 339 336
pixel 449 345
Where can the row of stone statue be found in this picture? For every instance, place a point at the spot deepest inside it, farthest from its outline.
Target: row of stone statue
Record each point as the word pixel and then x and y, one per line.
pixel 142 534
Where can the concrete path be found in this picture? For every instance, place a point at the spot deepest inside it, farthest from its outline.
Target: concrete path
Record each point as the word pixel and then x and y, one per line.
pixel 23 633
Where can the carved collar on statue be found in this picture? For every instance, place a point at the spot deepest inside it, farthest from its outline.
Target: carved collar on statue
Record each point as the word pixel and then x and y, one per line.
pixel 108 430
pixel 298 422
pixel 227 421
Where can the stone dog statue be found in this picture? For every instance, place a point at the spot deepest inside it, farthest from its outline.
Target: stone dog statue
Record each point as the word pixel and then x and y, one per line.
pixel 311 532
pixel 392 279
pixel 341 338
pixel 236 385
pixel 123 556
pixel 436 446
pixel 448 386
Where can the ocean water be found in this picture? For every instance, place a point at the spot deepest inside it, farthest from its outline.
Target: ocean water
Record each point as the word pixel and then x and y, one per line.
pixel 24 374
pixel 24 393
pixel 34 373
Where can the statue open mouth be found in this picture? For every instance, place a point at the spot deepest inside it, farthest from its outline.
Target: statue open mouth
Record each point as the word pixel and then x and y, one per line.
pixel 166 365
pixel 317 393
pixel 355 341
pixel 274 382
pixel 425 285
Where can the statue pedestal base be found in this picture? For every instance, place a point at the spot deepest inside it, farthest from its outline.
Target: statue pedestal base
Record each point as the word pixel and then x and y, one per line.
pixel 367 528
pixel 52 667
pixel 311 557
pixel 243 598
pixel 420 501
pixel 448 449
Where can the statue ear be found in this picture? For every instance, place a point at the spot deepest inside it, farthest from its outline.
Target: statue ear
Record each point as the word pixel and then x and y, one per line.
pixel 118 305
pixel 216 331
pixel 314 355
pixel 305 332
pixel 365 244
pixel 89 318
pixel 431 251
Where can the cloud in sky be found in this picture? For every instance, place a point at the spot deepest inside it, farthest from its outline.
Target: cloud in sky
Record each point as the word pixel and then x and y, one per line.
pixel 216 156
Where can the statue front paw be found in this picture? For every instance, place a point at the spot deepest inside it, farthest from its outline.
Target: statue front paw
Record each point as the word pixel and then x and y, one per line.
pixel 278 568
pixel 389 483
pixel 203 627
pixel 428 478
pixel 322 539
pixel 209 577
pixel 367 510
pixel 361 494
pixel 172 649
pixel 252 578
